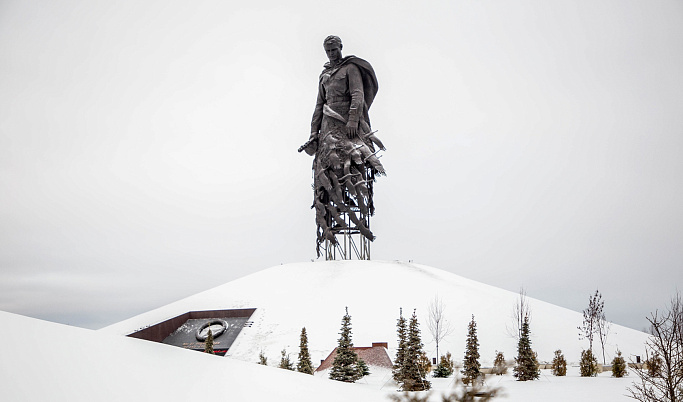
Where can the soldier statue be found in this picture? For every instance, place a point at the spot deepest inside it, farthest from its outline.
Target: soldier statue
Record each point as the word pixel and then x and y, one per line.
pixel 345 147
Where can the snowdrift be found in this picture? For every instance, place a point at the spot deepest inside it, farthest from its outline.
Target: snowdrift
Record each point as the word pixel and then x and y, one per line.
pixel 43 361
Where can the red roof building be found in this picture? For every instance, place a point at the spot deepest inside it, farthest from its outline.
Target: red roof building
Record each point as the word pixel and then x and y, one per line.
pixel 375 355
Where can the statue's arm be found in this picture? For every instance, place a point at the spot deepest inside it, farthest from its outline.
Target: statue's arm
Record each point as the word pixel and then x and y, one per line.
pixel 317 119
pixel 355 81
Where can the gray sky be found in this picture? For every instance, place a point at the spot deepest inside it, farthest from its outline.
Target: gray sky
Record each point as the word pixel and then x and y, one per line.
pixel 148 149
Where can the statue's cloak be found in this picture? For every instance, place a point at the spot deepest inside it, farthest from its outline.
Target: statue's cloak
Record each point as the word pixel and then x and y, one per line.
pixel 370 85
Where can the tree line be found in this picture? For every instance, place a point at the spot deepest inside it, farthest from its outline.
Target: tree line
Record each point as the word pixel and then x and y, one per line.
pixel 659 379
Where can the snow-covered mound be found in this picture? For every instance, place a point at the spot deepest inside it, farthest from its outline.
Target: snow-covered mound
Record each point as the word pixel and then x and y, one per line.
pixel 314 295
pixel 46 361
pixel 43 361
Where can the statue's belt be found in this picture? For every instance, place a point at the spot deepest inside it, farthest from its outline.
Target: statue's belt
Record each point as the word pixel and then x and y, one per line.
pixel 334 99
pixel 331 113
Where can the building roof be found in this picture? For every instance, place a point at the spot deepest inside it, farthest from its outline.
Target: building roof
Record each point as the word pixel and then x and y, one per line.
pixel 375 355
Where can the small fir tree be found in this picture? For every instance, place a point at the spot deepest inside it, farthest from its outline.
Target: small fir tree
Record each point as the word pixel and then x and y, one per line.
pixel 471 366
pixel 588 366
pixel 499 365
pixel 262 359
pixel 424 363
pixel 285 363
pixel 345 365
pixel 527 365
pixel 445 367
pixel 654 365
pixel 362 367
pixel 559 365
pixel 618 366
pixel 304 365
pixel 208 344
pixel 402 332
pixel 414 376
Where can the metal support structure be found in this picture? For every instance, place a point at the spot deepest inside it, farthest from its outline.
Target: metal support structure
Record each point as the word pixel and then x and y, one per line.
pixel 351 244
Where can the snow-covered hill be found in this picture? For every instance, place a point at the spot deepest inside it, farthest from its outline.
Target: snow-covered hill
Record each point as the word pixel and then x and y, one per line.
pixel 43 361
pixel 314 295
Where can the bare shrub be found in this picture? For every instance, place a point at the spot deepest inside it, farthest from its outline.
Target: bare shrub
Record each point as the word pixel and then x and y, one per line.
pixel 437 324
pixel 662 381
pixel 459 393
pixel 520 310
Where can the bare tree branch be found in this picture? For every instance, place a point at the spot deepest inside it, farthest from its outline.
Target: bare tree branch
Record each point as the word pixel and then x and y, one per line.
pixel 604 327
pixel 665 343
pixel 437 324
pixel 591 318
pixel 520 310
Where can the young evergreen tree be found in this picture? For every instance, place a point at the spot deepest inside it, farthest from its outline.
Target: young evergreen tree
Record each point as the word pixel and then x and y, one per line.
pixel 345 365
pixel 471 365
pixel 285 363
pixel 414 377
pixel 445 367
pixel 588 366
pixel 402 332
pixel 262 359
pixel 304 365
pixel 559 365
pixel 208 344
pixel 362 367
pixel 527 365
pixel 424 363
pixel 499 365
pixel 619 366
pixel 654 365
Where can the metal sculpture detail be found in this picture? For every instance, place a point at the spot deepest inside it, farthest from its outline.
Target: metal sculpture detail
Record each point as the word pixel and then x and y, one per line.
pixel 345 149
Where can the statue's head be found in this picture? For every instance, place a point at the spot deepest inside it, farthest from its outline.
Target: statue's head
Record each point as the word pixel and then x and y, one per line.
pixel 333 47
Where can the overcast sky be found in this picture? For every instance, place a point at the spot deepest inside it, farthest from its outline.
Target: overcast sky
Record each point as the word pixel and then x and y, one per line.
pixel 148 149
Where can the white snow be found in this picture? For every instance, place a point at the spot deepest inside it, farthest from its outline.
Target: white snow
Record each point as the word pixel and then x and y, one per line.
pixel 43 361
pixel 47 361
pixel 314 295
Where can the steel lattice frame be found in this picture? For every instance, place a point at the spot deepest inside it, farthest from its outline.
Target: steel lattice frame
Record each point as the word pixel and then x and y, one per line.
pixel 350 242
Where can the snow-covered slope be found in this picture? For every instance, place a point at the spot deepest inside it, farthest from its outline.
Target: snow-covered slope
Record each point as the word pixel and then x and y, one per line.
pixel 314 295
pixel 43 361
